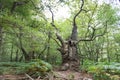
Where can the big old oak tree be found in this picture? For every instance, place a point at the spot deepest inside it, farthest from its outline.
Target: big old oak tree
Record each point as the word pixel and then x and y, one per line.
pixel 68 47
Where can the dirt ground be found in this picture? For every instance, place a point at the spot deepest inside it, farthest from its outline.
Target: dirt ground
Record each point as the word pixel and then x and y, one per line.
pixel 56 75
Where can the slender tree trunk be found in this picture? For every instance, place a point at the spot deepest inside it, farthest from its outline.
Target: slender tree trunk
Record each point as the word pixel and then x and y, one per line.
pixel 21 58
pixel 48 46
pixel 16 58
pixel 11 56
pixel 25 54
pixel 80 55
pixel 97 54
pixel 1 42
pixel 108 52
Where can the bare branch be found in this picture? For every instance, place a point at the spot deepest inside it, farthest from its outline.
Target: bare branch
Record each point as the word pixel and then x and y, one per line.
pixel 56 41
pixel 85 10
pixel 74 30
pixel 93 34
pixel 90 19
pixel 29 76
pixel 74 19
pixel 52 23
pixel 60 38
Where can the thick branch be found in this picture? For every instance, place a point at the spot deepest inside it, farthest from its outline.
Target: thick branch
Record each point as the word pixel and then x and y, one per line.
pixel 56 41
pixel 52 23
pixel 74 30
pixel 60 38
pixel 74 19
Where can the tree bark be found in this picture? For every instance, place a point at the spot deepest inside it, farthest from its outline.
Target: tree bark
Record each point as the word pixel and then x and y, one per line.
pixel 69 54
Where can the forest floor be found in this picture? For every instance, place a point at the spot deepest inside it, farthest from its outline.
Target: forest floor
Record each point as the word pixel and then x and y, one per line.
pixel 56 75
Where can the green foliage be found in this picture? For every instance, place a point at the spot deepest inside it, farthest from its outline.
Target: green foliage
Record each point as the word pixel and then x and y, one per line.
pixel 35 67
pixel 103 70
pixel 112 68
pixel 38 65
pixel 86 64
pixel 11 64
pixel 11 67
pixel 25 10
pixel 107 13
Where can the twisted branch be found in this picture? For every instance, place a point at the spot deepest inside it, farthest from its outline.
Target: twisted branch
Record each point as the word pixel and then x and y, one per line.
pixel 52 23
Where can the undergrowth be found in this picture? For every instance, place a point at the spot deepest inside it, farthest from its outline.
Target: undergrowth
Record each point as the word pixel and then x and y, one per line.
pixel 34 68
pixel 102 70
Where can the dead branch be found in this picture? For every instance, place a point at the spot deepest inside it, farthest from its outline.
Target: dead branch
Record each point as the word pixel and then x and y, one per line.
pixel 38 78
pixel 29 76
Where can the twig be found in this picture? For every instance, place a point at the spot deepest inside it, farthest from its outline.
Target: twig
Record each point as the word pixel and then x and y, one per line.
pixel 38 78
pixel 29 76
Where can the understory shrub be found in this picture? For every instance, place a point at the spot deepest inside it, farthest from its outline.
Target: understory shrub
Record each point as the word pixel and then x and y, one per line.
pixel 34 68
pixel 102 70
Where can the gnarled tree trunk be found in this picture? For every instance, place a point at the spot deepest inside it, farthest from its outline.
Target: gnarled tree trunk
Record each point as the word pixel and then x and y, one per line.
pixel 69 54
